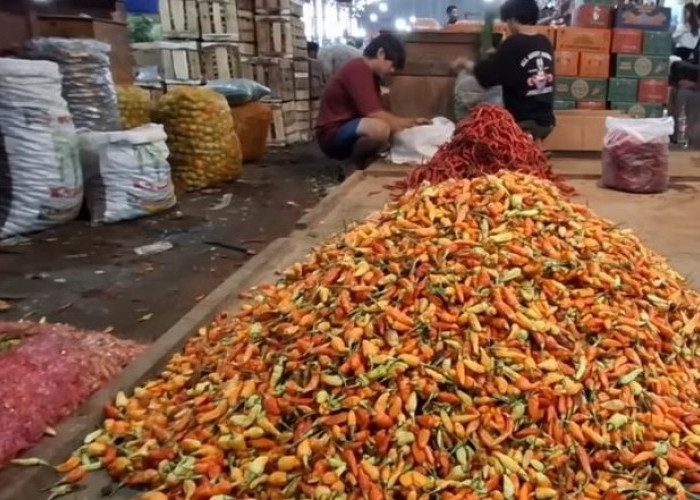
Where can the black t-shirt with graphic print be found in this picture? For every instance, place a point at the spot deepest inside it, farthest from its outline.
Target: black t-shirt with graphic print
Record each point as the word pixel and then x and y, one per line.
pixel 523 65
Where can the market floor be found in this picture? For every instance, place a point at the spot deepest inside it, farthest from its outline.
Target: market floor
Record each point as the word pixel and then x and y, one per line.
pixel 91 277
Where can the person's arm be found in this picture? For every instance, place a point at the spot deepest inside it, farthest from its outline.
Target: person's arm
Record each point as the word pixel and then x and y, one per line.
pixel 490 72
pixel 396 123
pixel 679 31
pixel 362 89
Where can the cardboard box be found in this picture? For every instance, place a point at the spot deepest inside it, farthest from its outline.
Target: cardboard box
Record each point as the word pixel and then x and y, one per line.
pixel 592 16
pixel 626 41
pixel 584 39
pixel 643 17
pixel 657 43
pixel 566 63
pixel 578 130
pixel 580 89
pixel 594 65
pixel 638 109
pixel 653 90
pixel 561 104
pixel 596 105
pixel 623 89
pixel 629 66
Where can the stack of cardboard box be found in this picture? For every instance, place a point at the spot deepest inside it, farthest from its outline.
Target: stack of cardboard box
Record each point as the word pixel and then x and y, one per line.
pixel 624 68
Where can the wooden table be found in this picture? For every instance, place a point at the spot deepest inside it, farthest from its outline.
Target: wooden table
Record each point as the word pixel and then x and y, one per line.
pixel 424 88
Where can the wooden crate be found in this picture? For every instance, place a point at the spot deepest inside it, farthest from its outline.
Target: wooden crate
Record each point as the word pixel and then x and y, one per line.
pixel 291 127
pixel 299 38
pixel 248 5
pixel 246 27
pixel 179 62
pixel 179 19
pixel 218 20
pixel 276 74
pixel 317 78
pixel 315 108
pixel 220 61
pixel 302 89
pixel 279 7
pixel 277 136
pixel 246 49
pixel 274 36
pixel 303 120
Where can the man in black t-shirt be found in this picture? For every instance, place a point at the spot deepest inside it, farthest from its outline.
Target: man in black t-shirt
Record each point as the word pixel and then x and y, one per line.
pixel 524 66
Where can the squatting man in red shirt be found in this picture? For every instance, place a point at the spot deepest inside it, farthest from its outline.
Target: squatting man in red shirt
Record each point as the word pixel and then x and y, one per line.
pixel 352 123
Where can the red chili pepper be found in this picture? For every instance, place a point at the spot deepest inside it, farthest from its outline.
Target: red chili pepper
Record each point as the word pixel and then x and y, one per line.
pixel 487 141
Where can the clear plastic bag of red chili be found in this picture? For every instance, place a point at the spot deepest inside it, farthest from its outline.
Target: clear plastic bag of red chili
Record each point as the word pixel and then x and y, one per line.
pixel 485 142
pixel 635 154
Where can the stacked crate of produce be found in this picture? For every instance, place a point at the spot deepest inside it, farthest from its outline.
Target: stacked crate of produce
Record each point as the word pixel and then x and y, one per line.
pixel 641 46
pixel 582 57
pixel 203 40
pixel 281 40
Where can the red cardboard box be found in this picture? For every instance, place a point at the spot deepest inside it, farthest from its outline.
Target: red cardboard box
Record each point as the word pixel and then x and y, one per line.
pixel 626 41
pixel 592 16
pixel 594 65
pixel 590 105
pixel 653 90
pixel 566 63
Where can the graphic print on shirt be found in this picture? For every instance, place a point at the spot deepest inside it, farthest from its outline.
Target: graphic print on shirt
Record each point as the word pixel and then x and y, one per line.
pixel 538 65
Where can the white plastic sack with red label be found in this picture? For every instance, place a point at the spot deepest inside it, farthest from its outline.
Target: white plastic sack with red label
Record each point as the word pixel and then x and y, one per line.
pixel 419 144
pixel 127 174
pixel 41 184
pixel 635 154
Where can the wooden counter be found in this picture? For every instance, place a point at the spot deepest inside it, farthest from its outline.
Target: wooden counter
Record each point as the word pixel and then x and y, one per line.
pixel 424 88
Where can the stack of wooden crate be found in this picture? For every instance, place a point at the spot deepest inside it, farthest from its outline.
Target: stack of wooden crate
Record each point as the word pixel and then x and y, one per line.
pixel 281 42
pixel 203 40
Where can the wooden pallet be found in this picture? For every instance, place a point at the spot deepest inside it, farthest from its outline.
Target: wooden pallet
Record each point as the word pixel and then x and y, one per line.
pixel 279 7
pixel 302 88
pixel 274 36
pixel 277 136
pixel 303 120
pixel 275 73
pixel 220 61
pixel 179 19
pixel 180 62
pixel 218 20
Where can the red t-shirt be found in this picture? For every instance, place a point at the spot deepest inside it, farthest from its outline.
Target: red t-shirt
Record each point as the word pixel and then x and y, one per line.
pixel 353 92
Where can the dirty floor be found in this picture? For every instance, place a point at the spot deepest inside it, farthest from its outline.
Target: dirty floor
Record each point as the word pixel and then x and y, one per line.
pixel 91 277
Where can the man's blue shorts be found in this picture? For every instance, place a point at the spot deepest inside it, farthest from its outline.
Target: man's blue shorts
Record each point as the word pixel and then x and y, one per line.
pixel 345 139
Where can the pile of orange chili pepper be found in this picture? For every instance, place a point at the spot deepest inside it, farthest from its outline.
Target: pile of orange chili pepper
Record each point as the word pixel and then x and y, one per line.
pixel 478 339
pixel 485 142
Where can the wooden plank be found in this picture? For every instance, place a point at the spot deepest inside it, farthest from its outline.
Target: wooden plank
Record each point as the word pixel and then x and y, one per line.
pixel 179 19
pixel 274 36
pixel 220 61
pixel 219 20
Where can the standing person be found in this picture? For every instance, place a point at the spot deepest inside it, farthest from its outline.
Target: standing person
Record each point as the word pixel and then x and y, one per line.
pixel 452 14
pixel 687 34
pixel 352 123
pixel 524 66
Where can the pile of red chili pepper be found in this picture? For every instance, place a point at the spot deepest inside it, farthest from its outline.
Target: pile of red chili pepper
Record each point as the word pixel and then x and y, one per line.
pixel 485 142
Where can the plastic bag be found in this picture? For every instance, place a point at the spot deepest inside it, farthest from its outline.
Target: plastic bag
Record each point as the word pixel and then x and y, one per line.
pixel 126 173
pixel 41 184
pixel 135 106
pixel 635 154
pixel 240 90
pixel 88 86
pixel 468 93
pixel 204 147
pixel 419 144
pixel 252 123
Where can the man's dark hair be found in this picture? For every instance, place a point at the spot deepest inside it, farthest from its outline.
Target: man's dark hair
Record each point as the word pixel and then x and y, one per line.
pixel 522 11
pixel 450 9
pixel 393 50
pixel 311 46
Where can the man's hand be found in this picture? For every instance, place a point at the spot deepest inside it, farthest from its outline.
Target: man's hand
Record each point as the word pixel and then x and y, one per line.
pixel 421 121
pixel 462 63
